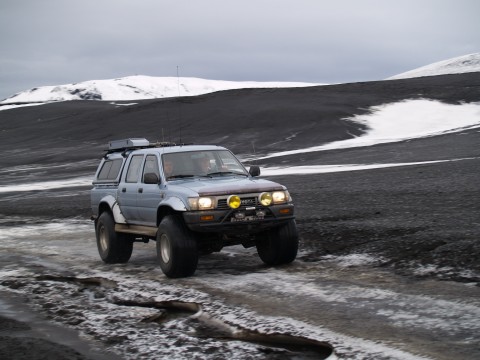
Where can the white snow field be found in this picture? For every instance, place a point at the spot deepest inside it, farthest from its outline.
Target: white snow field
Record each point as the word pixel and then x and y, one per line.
pixel 137 88
pixel 457 65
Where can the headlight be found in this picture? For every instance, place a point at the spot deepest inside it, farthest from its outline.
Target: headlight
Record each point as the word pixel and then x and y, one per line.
pixel 234 201
pixel 205 203
pixel 279 197
pixel 201 203
pixel 265 199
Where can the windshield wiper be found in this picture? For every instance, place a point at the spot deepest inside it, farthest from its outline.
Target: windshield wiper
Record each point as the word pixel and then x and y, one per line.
pixel 226 172
pixel 180 176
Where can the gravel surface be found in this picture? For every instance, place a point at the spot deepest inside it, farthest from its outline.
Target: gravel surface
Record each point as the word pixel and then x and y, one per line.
pixel 421 221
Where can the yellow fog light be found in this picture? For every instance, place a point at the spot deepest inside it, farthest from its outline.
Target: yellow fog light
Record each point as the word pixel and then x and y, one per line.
pixel 265 199
pixel 234 201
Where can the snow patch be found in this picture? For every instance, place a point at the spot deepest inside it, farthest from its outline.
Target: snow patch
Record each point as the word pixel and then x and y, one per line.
pixel 323 169
pixel 404 120
pixel 457 65
pixel 47 185
pixel 14 106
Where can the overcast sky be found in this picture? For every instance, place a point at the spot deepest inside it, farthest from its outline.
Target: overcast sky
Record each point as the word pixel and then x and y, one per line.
pixel 52 42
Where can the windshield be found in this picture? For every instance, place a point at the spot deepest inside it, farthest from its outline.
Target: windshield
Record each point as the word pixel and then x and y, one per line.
pixel 201 163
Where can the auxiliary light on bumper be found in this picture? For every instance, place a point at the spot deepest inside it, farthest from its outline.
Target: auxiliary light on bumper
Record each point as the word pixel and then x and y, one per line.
pixel 234 201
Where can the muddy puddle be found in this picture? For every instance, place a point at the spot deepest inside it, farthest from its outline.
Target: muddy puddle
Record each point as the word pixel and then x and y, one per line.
pixel 26 334
pixel 235 307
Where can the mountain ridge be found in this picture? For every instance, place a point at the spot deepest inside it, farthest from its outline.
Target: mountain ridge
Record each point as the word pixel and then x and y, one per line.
pixel 138 87
pixel 457 65
pixel 142 87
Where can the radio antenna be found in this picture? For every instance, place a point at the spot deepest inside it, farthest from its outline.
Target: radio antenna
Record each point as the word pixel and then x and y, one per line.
pixel 169 128
pixel 254 153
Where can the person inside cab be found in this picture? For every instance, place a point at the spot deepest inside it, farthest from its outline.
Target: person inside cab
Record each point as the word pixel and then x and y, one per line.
pixel 204 165
pixel 168 168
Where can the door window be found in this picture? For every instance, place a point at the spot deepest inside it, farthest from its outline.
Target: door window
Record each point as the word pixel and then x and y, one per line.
pixel 133 171
pixel 151 166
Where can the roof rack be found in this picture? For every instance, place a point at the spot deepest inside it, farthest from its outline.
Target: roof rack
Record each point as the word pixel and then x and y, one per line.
pixel 136 143
pixel 133 143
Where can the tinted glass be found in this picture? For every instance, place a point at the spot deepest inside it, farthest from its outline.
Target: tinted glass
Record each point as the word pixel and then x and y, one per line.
pixel 151 165
pixel 110 169
pixel 201 163
pixel 134 168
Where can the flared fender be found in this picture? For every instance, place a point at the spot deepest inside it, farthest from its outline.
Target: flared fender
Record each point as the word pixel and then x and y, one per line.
pixel 175 203
pixel 115 207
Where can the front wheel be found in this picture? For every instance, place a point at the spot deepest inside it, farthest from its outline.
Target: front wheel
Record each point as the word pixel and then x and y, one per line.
pixel 113 247
pixel 177 250
pixel 279 245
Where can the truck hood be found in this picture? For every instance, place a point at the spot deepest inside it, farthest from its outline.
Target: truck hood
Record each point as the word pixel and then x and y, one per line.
pixel 232 185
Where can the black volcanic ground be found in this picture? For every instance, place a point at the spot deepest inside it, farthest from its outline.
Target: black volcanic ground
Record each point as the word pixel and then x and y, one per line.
pixel 423 214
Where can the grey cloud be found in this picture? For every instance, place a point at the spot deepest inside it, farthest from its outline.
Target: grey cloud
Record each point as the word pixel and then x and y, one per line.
pixel 55 41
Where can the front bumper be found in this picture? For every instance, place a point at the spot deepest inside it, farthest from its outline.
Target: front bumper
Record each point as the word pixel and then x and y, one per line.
pixel 245 220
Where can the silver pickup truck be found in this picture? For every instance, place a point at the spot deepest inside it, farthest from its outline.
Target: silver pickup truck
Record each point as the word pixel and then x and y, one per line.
pixel 190 199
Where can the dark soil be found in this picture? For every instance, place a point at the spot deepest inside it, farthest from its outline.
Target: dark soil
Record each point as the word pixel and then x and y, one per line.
pixel 410 216
pixel 428 214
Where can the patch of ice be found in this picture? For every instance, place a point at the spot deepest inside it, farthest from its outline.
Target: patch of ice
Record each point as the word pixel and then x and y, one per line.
pixel 53 226
pixel 442 271
pixel 353 259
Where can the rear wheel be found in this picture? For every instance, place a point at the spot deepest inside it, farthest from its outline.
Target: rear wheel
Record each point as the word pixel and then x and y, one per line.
pixel 177 250
pixel 113 247
pixel 279 245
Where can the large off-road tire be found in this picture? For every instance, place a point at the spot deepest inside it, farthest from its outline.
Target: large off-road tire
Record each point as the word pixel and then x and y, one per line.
pixel 113 247
pixel 279 245
pixel 177 250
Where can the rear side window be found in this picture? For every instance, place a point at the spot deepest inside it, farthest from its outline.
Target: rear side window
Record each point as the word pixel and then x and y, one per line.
pixel 110 169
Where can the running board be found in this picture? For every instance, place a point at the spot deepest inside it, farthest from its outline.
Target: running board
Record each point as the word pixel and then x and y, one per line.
pixel 136 229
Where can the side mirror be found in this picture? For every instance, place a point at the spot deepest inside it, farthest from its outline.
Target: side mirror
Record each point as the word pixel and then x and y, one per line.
pixel 151 178
pixel 254 170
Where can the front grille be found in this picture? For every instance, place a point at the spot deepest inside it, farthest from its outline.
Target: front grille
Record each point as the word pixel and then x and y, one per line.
pixel 246 202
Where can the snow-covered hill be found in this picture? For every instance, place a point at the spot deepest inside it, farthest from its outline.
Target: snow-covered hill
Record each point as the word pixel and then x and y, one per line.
pixel 148 87
pixel 457 65
pixel 137 88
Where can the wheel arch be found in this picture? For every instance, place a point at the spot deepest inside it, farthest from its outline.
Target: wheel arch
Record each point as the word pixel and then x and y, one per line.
pixel 110 204
pixel 170 206
pixel 163 211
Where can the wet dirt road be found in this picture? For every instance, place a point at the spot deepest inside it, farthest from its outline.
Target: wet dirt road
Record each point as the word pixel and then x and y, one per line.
pixel 234 306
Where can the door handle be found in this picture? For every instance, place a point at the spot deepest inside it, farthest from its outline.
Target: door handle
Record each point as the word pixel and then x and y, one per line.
pixel 140 190
pixel 124 189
